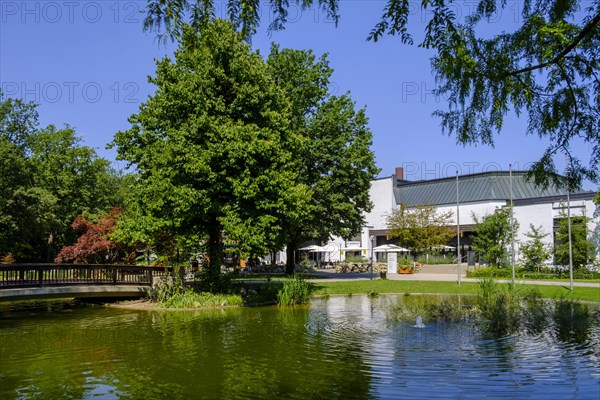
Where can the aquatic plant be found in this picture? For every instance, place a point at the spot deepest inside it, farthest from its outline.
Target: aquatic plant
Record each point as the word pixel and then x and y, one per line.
pixel 499 306
pixel 192 299
pixel 165 289
pixel 572 320
pixel 433 309
pixel 294 291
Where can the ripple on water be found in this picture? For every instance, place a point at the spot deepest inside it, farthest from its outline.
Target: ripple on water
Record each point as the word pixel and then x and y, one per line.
pixel 341 348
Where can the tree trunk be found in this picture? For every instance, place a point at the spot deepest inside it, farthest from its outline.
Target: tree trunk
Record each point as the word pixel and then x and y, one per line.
pixel 290 264
pixel 50 248
pixel 215 252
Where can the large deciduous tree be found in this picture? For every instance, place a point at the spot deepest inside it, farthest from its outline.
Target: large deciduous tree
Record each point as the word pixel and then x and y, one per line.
pixel 547 67
pixel 421 227
pixel 493 236
pixel 334 158
pixel 212 146
pixel 47 178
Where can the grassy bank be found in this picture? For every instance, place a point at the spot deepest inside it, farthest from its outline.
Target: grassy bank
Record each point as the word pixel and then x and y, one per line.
pixel 552 275
pixel 389 286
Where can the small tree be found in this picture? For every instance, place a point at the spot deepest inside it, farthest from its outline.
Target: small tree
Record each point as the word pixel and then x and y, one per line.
pixel 493 235
pixel 583 247
pixel 420 228
pixel 535 252
pixel 94 244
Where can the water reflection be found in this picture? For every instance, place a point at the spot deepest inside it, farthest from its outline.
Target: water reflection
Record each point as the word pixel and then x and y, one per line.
pixel 337 348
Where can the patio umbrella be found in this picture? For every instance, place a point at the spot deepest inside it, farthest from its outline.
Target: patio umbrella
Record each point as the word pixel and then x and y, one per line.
pixel 311 248
pixel 389 248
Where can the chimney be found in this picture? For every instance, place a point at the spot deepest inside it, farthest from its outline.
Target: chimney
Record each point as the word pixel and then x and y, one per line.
pixel 399 173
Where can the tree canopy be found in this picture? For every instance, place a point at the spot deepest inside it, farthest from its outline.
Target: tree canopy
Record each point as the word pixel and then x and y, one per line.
pixel 334 159
pixel 94 245
pixel 493 236
pixel 547 68
pixel 211 146
pixel 583 249
pixel 535 251
pixel 420 228
pixel 47 178
pixel 256 149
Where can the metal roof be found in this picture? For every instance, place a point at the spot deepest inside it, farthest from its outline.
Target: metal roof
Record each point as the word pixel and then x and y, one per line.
pixel 487 186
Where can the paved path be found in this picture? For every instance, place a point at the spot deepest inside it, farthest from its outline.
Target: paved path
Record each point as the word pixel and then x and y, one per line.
pixel 442 273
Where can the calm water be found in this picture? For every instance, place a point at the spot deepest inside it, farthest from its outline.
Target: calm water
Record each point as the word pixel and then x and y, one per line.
pixel 340 348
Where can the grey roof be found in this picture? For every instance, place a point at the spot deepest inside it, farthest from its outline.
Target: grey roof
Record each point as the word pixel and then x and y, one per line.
pixel 487 186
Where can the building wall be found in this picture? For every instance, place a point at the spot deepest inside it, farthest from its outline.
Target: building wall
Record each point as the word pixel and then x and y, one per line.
pixel 384 201
pixel 467 210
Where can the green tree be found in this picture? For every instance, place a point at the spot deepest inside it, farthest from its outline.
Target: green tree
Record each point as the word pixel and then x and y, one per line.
pixel 78 180
pixel 47 178
pixel 535 251
pixel 212 148
pixel 18 121
pixel 25 214
pixel 547 67
pixel 334 158
pixel 583 247
pixel 493 236
pixel 421 227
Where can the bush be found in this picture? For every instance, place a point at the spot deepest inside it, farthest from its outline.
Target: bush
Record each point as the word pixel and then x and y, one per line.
pixel 355 259
pixel 490 272
pixel 214 283
pixel 257 294
pixel 434 259
pixel 165 289
pixel 548 273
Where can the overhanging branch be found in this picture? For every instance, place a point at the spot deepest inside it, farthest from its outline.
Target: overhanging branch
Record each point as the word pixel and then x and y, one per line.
pixel 584 32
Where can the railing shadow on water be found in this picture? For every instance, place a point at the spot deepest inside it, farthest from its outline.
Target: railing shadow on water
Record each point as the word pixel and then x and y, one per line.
pixel 41 275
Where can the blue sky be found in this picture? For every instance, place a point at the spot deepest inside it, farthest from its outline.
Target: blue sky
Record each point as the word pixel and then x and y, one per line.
pixel 86 63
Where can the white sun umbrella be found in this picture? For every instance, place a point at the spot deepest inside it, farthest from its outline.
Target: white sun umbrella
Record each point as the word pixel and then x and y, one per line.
pixel 389 248
pixel 324 249
pixel 312 247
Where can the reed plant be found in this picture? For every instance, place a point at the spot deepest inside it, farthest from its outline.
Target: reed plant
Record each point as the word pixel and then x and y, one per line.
pixel 295 291
pixel 500 307
pixel 573 320
pixel 431 308
pixel 501 310
pixel 192 299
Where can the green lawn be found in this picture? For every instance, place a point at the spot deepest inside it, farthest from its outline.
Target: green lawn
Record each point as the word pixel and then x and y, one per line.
pixel 389 286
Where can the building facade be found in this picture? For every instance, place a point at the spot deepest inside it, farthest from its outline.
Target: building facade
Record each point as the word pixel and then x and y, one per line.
pixel 478 194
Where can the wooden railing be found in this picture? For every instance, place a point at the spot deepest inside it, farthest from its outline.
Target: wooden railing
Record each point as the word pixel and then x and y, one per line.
pixel 39 275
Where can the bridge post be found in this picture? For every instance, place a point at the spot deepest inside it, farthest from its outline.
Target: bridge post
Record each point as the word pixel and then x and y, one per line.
pixel 40 277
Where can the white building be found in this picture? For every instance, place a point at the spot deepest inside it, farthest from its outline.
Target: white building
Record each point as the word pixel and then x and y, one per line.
pixel 478 194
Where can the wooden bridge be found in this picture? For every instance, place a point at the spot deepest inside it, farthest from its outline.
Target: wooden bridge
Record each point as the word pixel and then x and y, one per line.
pixel 31 281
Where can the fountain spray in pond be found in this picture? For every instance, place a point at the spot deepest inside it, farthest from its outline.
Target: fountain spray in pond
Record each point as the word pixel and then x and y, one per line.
pixel 419 323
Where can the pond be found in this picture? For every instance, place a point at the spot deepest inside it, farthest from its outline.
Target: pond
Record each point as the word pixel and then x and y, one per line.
pixel 336 348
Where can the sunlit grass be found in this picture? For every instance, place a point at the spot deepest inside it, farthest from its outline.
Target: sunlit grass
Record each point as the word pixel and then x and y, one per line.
pixel 432 287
